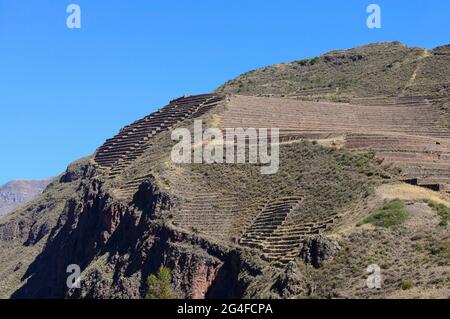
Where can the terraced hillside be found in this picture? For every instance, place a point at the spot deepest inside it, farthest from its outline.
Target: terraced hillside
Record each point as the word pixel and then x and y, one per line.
pixel 132 141
pixel 404 132
pixel 355 126
pixel 218 214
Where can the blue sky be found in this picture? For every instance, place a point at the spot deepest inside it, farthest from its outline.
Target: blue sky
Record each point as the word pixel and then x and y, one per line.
pixel 63 92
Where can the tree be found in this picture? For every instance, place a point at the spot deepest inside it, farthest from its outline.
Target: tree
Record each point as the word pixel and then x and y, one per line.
pixel 159 285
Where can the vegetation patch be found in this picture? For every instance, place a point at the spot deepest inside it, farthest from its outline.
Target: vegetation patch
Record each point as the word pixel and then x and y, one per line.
pixel 390 214
pixel 443 212
pixel 407 284
pixel 159 285
pixel 306 62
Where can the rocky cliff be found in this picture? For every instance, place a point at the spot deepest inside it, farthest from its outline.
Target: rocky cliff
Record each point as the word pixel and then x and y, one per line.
pixel 118 246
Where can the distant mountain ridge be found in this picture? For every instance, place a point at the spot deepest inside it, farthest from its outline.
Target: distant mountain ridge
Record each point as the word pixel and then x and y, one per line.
pixel 18 192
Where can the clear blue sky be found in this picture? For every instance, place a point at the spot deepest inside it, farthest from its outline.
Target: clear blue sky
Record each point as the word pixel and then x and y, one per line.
pixel 63 92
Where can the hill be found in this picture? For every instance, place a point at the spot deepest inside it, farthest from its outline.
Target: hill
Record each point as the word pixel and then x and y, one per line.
pixel 362 180
pixel 380 69
pixel 16 193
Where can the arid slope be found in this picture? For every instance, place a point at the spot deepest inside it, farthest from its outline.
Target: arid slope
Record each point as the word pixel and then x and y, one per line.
pixel 227 231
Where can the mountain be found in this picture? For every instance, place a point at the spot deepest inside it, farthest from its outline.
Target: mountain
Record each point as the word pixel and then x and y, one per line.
pixel 360 188
pixel 379 69
pixel 16 193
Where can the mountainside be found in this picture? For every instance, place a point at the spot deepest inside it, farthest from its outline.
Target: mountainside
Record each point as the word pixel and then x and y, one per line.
pixel 363 179
pixel 16 193
pixel 380 69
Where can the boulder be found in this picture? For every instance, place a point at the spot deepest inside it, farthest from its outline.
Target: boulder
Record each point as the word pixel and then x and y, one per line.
pixel 318 249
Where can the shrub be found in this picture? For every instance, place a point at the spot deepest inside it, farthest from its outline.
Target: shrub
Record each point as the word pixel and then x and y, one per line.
pixel 314 61
pixel 303 62
pixel 390 214
pixel 308 61
pixel 159 285
pixel 407 284
pixel 442 210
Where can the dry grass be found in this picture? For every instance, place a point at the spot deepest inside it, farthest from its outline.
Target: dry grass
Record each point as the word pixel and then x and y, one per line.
pixel 408 192
pixel 335 142
pixel 421 293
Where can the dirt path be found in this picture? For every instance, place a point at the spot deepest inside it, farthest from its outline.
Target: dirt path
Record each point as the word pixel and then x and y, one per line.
pixel 410 82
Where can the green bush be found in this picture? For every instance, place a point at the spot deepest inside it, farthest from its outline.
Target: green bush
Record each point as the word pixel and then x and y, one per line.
pixel 407 284
pixel 390 214
pixel 159 285
pixel 314 61
pixel 442 210
pixel 308 61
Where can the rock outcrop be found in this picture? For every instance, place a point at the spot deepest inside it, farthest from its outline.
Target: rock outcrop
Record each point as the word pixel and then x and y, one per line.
pixel 317 250
pixel 291 283
pixel 117 246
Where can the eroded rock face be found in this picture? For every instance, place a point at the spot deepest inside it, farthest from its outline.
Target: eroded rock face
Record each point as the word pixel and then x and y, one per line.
pixel 29 229
pixel 84 231
pixel 15 229
pixel 318 249
pixel 75 171
pixel 193 271
pixel 291 283
pixel 117 246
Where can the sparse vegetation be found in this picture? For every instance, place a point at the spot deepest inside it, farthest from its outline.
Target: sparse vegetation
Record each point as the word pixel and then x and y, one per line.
pixel 387 68
pixel 443 212
pixel 330 181
pixel 314 60
pixel 301 62
pixel 441 250
pixel 390 214
pixel 159 285
pixel 407 284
